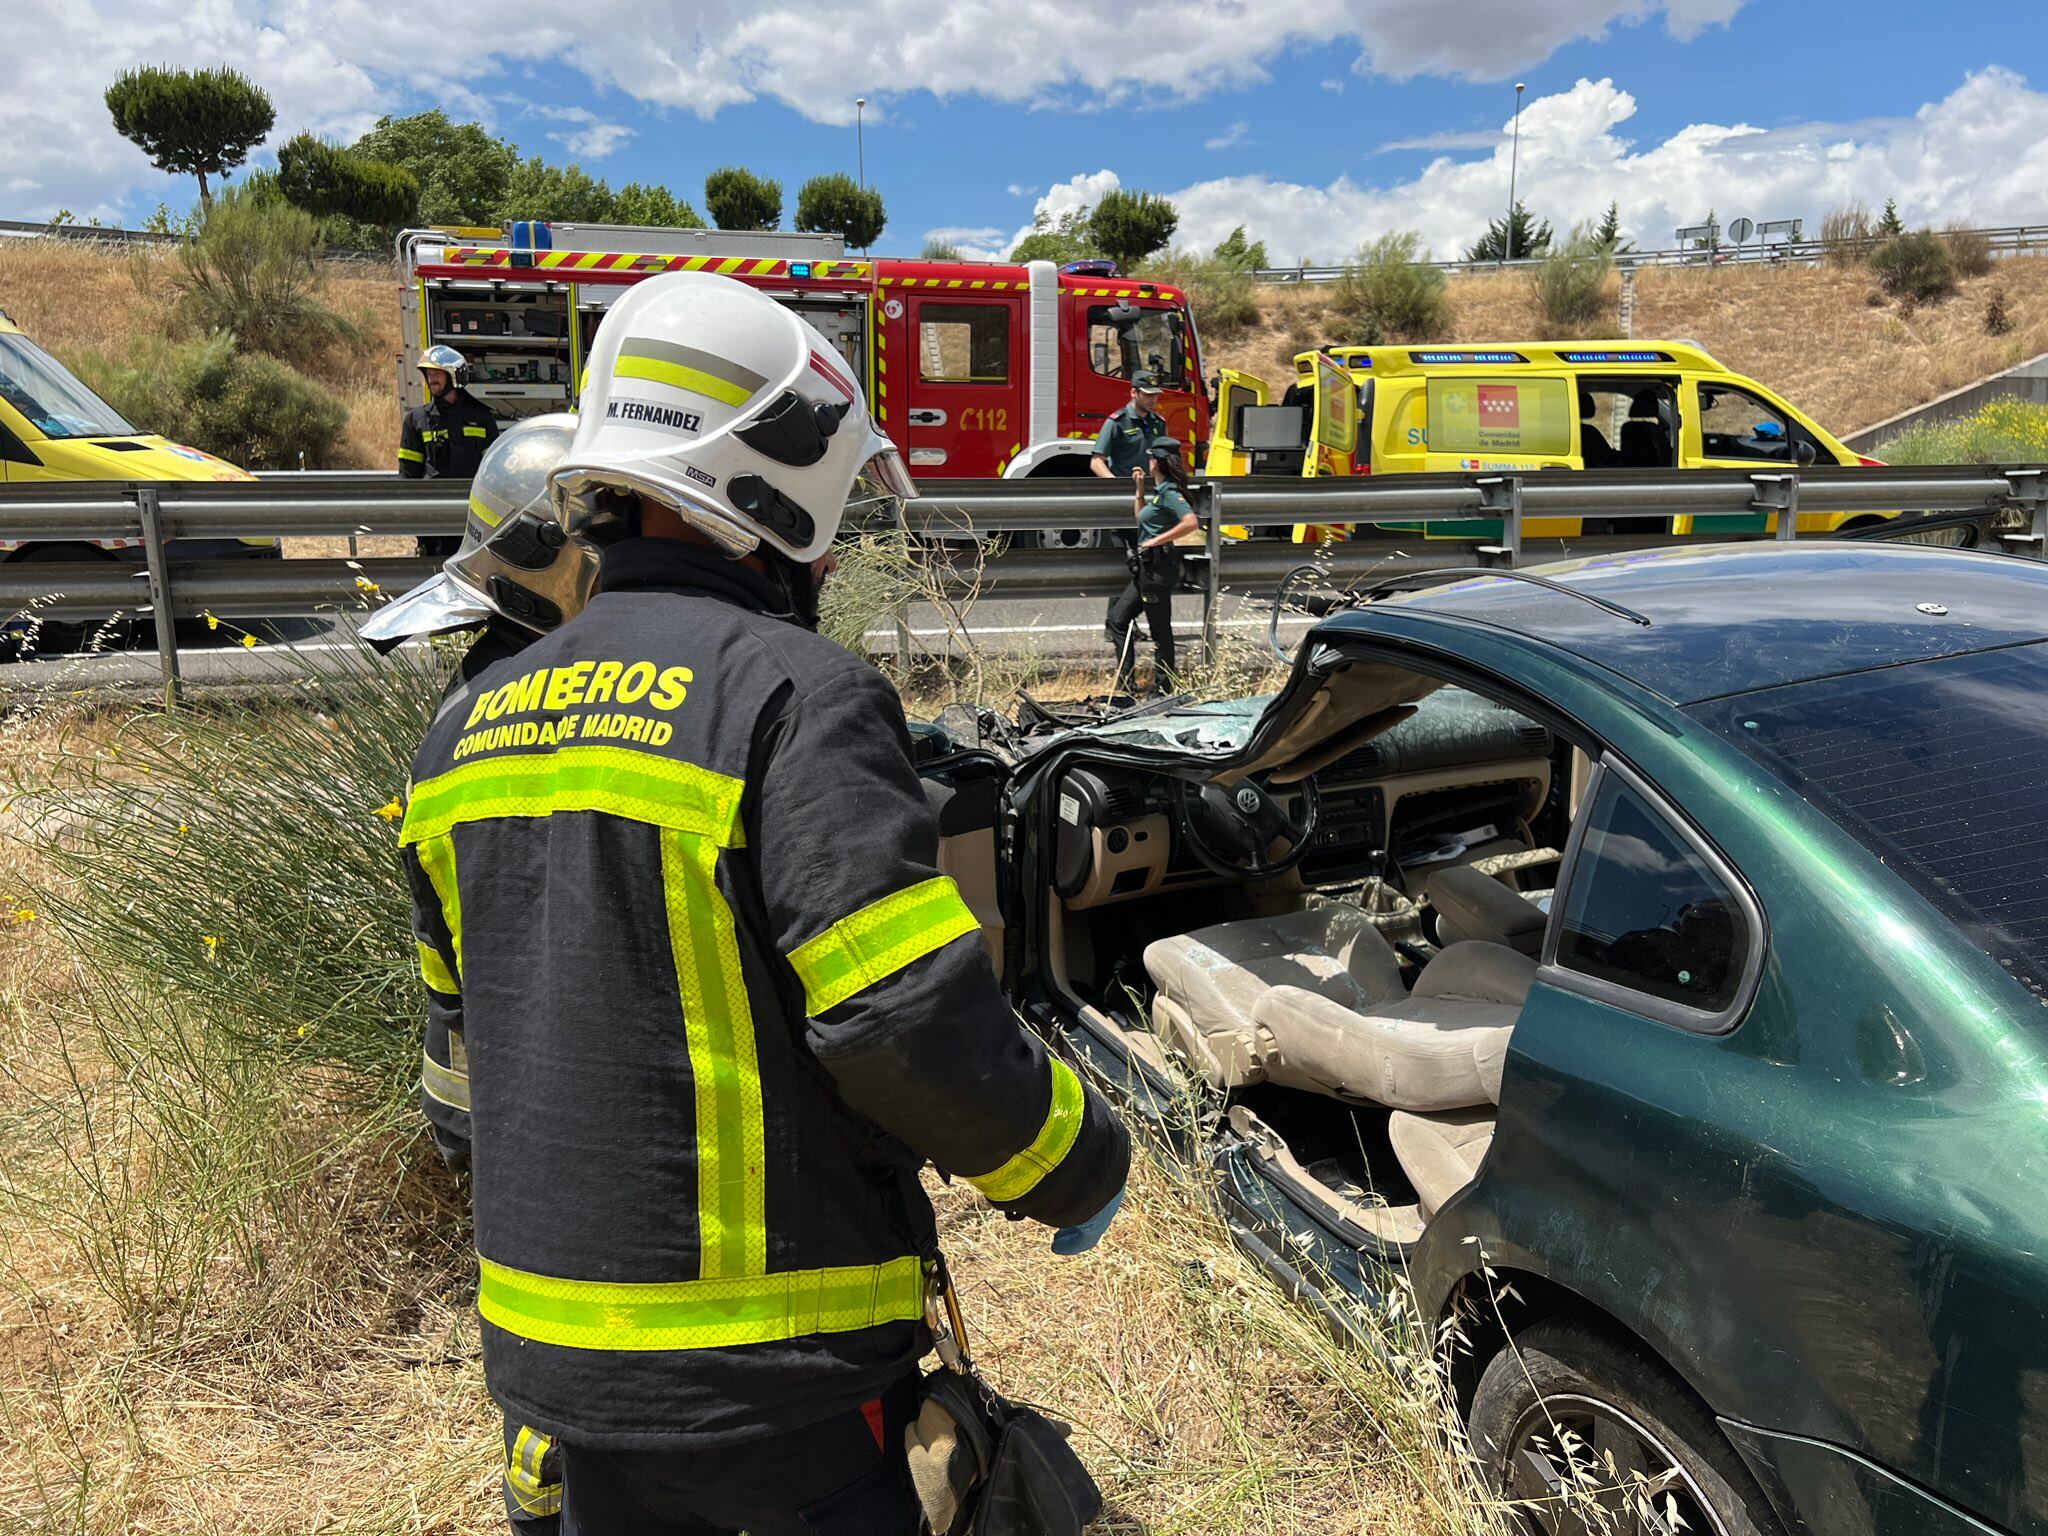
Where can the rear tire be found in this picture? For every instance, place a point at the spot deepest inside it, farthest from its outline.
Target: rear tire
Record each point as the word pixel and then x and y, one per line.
pixel 1573 1402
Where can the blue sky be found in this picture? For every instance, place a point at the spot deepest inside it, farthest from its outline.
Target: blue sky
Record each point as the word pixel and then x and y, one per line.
pixel 1285 114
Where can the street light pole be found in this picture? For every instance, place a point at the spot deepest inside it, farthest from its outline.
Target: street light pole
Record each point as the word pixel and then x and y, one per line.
pixel 1514 158
pixel 860 104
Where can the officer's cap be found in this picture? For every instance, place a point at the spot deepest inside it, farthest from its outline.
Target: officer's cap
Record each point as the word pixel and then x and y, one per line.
pixel 1145 382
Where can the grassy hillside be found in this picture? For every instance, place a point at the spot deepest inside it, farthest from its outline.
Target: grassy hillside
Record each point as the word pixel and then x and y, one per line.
pixel 1812 333
pixel 81 302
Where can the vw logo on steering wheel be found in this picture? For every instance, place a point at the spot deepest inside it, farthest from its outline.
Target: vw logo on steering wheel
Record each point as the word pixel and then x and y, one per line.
pixel 1247 798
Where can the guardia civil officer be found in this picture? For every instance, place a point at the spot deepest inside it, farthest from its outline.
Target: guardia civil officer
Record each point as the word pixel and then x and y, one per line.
pixel 719 1004
pixel 1164 516
pixel 445 437
pixel 516 576
pixel 1126 438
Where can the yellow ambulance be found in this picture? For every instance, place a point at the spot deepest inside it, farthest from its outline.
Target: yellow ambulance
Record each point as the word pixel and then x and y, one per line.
pixel 1520 406
pixel 53 428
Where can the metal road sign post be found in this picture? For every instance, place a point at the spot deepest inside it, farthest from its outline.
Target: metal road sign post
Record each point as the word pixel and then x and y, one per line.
pixel 961 514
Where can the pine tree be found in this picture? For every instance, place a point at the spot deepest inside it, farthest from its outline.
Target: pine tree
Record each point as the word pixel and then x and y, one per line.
pixel 1608 233
pixel 1532 238
pixel 1891 224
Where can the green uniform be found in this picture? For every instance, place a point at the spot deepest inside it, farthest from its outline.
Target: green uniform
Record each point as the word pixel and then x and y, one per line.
pixel 1126 439
pixel 1163 512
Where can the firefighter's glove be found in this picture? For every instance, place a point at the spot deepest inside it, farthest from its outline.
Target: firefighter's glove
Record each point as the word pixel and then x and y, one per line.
pixel 1069 1241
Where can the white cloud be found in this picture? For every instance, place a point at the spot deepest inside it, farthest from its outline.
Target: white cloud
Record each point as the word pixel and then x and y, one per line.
pixel 334 65
pixel 1018 189
pixel 593 138
pixel 1476 138
pixel 975 237
pixel 1978 156
pixel 1230 138
pixel 1334 87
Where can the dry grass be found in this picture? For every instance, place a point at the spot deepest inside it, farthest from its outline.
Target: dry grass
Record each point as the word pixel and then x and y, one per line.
pixel 79 300
pixel 1804 331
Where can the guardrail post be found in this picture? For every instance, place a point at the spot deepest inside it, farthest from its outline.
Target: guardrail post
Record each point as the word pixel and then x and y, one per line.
pixel 1212 591
pixel 1501 496
pixel 2029 492
pixel 1778 494
pixel 147 508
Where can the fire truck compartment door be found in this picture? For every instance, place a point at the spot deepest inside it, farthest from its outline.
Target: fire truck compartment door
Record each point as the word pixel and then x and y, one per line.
pixel 961 371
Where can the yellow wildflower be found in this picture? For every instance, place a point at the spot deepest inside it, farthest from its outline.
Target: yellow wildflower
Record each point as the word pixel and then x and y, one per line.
pixel 183 829
pixel 248 642
pixel 212 943
pixel 391 810
pixel 364 583
pixel 305 1030
pixel 24 914
pixel 211 621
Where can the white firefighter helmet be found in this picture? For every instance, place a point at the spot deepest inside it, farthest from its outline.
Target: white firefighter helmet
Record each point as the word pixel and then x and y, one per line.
pixel 448 361
pixel 515 561
pixel 720 403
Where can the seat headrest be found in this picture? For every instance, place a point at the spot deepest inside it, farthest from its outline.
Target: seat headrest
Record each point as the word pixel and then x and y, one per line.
pixel 1470 905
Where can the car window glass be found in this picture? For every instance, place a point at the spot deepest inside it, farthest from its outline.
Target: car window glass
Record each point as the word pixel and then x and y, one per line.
pixel 1737 423
pixel 1937 768
pixel 1627 424
pixel 1644 911
pixel 55 403
pixel 1152 341
pixel 964 343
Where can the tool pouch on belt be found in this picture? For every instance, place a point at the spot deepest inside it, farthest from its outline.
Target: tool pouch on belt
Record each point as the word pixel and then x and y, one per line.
pixel 983 1465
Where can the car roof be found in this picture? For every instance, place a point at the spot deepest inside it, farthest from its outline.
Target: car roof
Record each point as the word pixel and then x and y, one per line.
pixel 1656 356
pixel 1727 619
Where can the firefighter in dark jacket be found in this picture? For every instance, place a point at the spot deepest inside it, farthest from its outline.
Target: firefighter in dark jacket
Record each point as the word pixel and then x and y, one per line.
pixel 720 1006
pixel 444 438
pixel 515 577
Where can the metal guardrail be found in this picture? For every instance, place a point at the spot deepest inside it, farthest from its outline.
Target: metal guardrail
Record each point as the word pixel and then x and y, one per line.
pixel 2010 240
pixel 169 588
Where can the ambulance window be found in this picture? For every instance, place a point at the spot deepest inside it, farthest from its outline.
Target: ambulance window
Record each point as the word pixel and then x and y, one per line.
pixel 1737 423
pixel 1153 341
pixel 1477 416
pixel 964 343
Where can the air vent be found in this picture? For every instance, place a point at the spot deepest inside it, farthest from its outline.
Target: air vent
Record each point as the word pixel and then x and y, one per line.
pixel 118 445
pixel 1359 763
pixel 1123 803
pixel 1533 739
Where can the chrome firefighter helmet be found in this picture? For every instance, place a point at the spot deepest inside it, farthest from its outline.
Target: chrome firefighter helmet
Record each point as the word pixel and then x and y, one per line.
pixel 448 361
pixel 718 402
pixel 515 561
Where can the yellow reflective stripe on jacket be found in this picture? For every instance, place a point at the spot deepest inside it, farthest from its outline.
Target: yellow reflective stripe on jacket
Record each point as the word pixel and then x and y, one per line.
pixel 437 858
pixel 878 941
pixel 412 455
pixel 434 970
pixel 524 1478
pixel 476 431
pixel 618 780
pixel 483 514
pixel 732 1204
pixel 1020 1175
pixel 699 1314
pixel 444 1085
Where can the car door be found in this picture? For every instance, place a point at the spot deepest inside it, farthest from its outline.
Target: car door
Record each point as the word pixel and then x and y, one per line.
pixel 960 371
pixel 1734 426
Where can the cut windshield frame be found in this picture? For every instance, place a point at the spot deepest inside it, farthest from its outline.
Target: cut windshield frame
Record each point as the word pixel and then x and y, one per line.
pixel 1935 768
pixel 1120 351
pixel 53 402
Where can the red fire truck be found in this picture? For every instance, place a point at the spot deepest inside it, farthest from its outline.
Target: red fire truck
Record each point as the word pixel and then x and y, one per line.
pixel 976 369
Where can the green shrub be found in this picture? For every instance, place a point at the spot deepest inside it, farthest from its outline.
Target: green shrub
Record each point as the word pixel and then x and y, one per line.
pixel 1386 295
pixel 837 204
pixel 1067 238
pixel 2006 431
pixel 1914 267
pixel 1571 284
pixel 249 409
pixel 1221 293
pixel 333 183
pixel 253 272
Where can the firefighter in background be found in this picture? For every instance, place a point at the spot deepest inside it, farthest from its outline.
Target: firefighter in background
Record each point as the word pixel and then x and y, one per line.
pixel 1127 437
pixel 445 437
pixel 1164 518
pixel 515 577
pixel 719 1003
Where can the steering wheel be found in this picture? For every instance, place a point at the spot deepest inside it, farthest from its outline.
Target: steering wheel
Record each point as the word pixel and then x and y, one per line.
pixel 1233 830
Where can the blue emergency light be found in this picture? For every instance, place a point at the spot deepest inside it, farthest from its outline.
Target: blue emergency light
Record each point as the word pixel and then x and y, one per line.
pixel 1441 358
pixel 1615 357
pixel 799 269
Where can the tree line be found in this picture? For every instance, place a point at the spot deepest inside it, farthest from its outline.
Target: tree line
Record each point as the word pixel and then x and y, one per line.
pixel 428 169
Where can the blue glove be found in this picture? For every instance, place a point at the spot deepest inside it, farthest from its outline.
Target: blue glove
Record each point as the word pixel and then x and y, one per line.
pixel 1069 1241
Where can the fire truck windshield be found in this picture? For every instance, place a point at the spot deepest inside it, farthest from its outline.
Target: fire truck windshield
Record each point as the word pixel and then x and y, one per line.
pixel 1155 340
pixel 55 403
